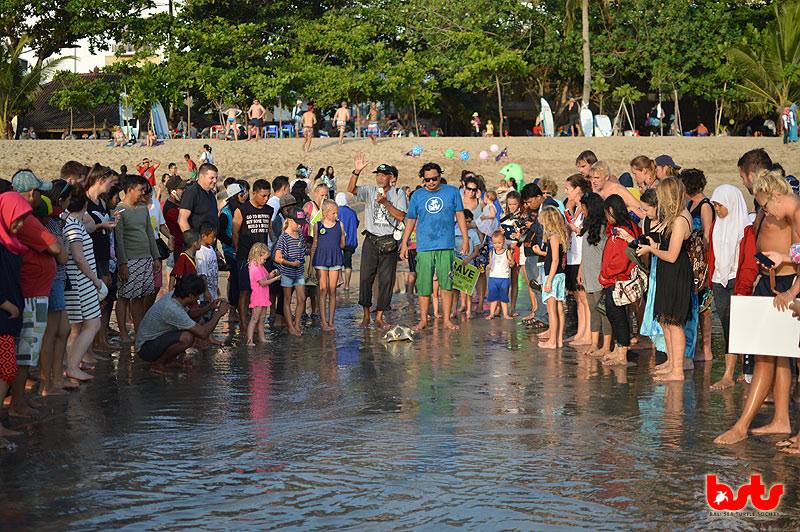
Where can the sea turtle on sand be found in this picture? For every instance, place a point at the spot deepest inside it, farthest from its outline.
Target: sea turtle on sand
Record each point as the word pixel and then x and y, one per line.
pixel 398 333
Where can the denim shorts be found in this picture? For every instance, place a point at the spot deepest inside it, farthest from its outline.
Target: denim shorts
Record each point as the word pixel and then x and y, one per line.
pixel 56 302
pixel 288 282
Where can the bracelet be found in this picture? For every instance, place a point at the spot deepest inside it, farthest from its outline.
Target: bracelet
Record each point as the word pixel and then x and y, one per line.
pixel 356 173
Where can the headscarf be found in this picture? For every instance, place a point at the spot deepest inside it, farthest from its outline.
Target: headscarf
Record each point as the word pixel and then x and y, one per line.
pixel 341 199
pixel 728 231
pixel 12 207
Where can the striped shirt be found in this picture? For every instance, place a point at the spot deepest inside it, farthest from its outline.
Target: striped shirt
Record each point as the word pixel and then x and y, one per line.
pixel 293 250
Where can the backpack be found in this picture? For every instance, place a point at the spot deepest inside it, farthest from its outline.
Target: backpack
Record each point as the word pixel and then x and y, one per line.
pixel 698 259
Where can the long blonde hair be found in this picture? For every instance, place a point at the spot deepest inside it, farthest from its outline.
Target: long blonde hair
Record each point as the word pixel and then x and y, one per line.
pixel 258 250
pixel 553 223
pixel 671 196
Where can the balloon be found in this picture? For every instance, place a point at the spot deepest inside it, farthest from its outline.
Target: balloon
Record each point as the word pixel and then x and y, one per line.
pixel 416 151
pixel 493 148
pixel 483 155
pixel 464 155
pixel 514 171
pixel 450 153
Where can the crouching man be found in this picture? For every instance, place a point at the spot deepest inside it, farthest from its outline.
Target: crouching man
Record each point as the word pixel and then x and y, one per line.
pixel 173 323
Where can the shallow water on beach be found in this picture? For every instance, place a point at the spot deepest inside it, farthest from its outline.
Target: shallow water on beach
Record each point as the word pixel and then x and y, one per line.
pixel 475 429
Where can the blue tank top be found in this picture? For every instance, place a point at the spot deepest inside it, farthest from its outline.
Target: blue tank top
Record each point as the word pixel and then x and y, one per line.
pixel 329 251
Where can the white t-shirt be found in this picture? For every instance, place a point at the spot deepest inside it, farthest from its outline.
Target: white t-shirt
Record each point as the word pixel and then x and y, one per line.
pixel 575 242
pixel 206 157
pixel 206 264
pixel 156 216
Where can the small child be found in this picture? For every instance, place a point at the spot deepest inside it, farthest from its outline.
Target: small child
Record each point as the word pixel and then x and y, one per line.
pixel 328 260
pixel 290 253
pixel 556 242
pixel 206 260
pixel 474 250
pixel 186 263
pixel 501 260
pixel 260 279
pixel 192 166
pixel 505 187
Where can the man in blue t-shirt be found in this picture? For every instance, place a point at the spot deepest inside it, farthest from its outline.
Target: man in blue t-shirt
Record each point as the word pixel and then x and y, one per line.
pixel 432 211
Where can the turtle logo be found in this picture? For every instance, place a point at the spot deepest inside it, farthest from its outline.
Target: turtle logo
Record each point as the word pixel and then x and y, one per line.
pixel 721 497
pixel 434 205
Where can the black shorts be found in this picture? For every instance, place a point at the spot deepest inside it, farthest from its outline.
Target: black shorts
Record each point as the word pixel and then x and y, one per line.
pixel 412 260
pixel 348 257
pixel 243 280
pixel 153 349
pixel 571 281
pixel 257 122
pixel 782 284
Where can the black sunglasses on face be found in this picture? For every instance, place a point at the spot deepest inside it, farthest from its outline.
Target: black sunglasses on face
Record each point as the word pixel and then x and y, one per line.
pixel 429 179
pixel 472 189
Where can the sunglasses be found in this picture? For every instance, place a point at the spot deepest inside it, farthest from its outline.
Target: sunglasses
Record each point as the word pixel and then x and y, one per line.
pixel 472 189
pixel 429 179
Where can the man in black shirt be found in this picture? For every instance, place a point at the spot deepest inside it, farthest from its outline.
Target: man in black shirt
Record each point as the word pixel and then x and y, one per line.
pixel 199 201
pixel 251 225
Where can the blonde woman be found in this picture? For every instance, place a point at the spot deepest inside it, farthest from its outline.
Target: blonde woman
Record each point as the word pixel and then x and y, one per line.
pixel 643 170
pixel 674 278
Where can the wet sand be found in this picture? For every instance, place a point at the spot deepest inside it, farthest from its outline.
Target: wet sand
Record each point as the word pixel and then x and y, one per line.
pixel 475 429
pixel 538 156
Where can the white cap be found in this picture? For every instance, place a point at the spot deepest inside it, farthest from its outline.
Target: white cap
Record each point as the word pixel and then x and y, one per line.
pixel 234 189
pixel 341 199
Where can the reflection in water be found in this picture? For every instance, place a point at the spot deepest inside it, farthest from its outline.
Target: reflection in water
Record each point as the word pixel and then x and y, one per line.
pixel 475 428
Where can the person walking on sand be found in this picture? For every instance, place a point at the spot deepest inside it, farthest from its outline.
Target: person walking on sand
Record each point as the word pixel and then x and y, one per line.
pixel 309 121
pixel 384 210
pixel 432 211
pixel 341 118
pixel 256 115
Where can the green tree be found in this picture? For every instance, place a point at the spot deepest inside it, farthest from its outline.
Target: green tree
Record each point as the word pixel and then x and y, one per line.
pixel 48 26
pixel 83 92
pixel 769 64
pixel 18 85
pixel 571 7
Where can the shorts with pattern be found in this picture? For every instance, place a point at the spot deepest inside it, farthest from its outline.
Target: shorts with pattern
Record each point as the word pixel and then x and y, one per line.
pixel 140 281
pixel 8 359
pixel 557 288
pixel 440 262
pixel 308 132
pixel 34 323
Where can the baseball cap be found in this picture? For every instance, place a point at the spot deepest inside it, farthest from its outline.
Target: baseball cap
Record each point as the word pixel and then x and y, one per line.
pixel 297 214
pixel 234 189
pixel 625 179
pixel 25 181
pixel 387 169
pixel 175 182
pixel 287 200
pixel 666 160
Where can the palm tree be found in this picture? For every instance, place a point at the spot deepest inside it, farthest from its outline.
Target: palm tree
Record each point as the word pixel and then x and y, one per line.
pixel 769 68
pixel 18 85
pixel 571 7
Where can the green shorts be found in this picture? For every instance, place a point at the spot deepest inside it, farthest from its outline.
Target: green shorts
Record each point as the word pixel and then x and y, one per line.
pixel 428 262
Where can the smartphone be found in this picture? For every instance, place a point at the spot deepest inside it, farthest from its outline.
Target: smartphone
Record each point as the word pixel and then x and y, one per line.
pixel 764 260
pixel 119 211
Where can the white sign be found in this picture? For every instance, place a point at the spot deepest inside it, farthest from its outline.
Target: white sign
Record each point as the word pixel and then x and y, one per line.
pixel 758 328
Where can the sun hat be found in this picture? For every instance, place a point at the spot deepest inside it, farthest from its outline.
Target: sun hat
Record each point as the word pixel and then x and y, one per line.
pixel 475 114
pixel 287 200
pixel 175 183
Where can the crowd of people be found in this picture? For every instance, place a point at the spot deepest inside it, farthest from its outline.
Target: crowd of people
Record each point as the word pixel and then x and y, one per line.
pixel 646 255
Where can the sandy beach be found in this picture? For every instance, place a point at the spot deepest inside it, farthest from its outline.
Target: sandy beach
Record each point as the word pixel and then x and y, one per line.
pixel 552 157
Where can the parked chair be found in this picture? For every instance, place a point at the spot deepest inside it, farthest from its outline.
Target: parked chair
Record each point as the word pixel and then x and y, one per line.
pixel 271 131
pixel 216 132
pixel 287 130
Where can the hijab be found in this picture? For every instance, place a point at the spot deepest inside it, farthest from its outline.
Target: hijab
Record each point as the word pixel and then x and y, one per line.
pixel 12 207
pixel 728 231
